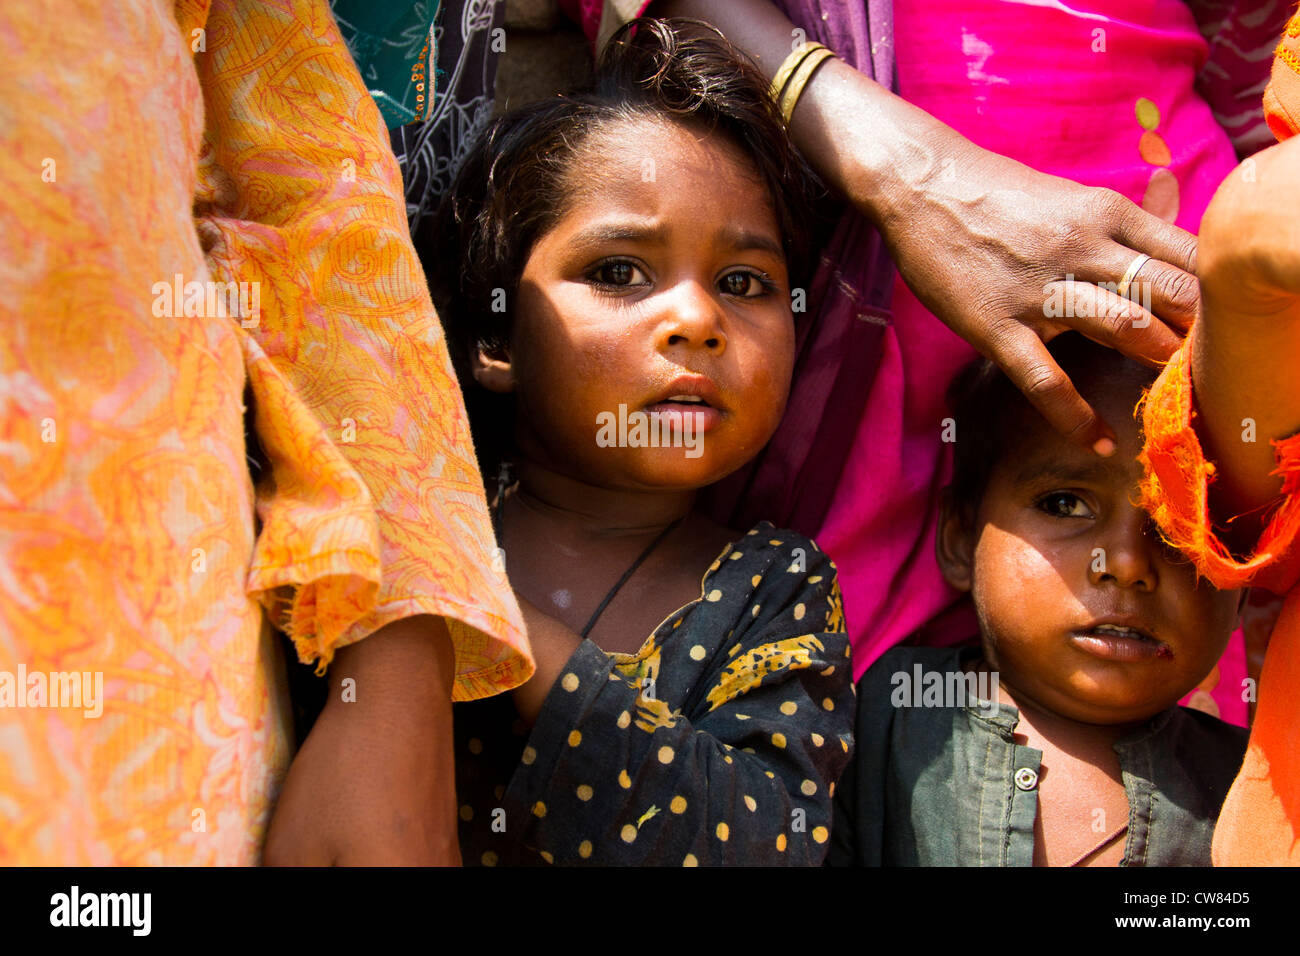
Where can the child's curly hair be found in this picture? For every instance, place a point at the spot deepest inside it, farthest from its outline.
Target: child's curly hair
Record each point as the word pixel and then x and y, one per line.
pixel 515 183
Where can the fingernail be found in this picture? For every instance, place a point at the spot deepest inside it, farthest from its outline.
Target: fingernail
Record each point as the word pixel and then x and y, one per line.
pixel 1104 447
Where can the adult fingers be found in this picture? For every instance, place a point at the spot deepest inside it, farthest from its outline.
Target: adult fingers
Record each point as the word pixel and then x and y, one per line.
pixel 1024 358
pixel 1115 321
pixel 1161 288
pixel 1140 232
pixel 1138 229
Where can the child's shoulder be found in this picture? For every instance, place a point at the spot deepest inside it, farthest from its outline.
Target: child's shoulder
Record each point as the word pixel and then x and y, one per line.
pixel 1196 731
pixel 910 661
pixel 1191 760
pixel 785 566
pixel 769 546
pixel 773 577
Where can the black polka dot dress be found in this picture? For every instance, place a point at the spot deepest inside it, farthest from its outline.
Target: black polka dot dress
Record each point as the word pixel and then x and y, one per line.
pixel 718 742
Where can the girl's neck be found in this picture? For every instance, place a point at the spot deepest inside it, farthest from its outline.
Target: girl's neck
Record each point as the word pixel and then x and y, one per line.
pixel 591 511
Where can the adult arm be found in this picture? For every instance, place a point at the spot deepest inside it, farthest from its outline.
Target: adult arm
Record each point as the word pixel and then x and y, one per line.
pixel 373 783
pixel 983 240
pixel 1245 346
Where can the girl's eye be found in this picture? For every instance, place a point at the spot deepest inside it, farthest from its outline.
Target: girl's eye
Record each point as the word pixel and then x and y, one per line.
pixel 746 284
pixel 1062 504
pixel 618 273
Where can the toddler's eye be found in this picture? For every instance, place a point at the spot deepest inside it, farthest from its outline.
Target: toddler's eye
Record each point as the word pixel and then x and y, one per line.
pixel 618 272
pixel 746 284
pixel 1062 504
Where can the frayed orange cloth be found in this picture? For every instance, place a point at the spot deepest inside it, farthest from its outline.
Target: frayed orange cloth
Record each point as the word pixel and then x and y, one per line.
pixel 1282 97
pixel 1260 821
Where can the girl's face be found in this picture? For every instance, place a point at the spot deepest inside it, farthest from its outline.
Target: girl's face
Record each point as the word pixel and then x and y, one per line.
pixel 655 313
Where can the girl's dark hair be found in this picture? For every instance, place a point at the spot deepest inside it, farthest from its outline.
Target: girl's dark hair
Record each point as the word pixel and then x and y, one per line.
pixel 515 183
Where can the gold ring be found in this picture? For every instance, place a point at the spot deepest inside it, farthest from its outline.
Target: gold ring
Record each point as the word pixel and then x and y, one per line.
pixel 1130 273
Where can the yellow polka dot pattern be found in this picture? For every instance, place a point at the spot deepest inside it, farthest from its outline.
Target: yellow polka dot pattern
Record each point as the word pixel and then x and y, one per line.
pixel 785 699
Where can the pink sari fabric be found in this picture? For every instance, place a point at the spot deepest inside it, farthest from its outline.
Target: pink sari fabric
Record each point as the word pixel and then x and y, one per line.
pixel 1099 92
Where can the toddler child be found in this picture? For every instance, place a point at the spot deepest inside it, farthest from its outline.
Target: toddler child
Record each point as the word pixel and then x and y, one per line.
pixel 615 277
pixel 1057 741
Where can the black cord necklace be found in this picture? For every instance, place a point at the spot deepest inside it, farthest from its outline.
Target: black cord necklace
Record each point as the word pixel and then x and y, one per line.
pixel 503 482
pixel 627 574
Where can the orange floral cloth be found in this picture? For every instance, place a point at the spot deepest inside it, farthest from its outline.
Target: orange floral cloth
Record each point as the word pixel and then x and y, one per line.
pixel 1260 821
pixel 135 550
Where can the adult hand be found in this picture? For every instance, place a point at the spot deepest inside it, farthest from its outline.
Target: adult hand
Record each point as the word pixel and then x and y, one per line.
pixel 988 244
pixel 1009 258
pixel 373 783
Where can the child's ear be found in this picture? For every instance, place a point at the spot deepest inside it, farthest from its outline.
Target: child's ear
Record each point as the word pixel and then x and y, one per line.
pixel 954 545
pixel 492 369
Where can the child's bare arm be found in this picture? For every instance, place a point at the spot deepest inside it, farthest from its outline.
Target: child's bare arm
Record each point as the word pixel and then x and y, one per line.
pixel 1246 345
pixel 373 783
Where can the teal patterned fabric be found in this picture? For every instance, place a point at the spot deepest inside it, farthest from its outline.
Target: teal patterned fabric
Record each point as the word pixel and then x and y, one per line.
pixel 391 40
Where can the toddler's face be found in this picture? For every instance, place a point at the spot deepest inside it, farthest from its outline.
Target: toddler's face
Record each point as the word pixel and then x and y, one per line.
pixel 1083 610
pixel 663 289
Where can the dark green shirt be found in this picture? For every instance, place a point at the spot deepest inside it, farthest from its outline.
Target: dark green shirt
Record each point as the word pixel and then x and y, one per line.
pixel 949 785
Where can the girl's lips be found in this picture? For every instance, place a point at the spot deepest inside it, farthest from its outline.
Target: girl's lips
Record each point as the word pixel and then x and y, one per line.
pixel 680 416
pixel 1112 645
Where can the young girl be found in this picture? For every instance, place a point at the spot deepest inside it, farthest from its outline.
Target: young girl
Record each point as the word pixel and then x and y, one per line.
pixel 1057 741
pixel 616 280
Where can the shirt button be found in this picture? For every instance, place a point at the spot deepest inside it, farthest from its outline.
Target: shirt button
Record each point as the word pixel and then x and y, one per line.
pixel 1026 779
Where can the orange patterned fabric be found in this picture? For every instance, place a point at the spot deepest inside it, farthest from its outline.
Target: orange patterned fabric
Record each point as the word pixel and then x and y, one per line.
pixel 1282 97
pixel 1260 821
pixel 136 553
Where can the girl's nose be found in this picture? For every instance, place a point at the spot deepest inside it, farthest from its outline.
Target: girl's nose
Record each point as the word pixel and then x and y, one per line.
pixel 1128 551
pixel 692 319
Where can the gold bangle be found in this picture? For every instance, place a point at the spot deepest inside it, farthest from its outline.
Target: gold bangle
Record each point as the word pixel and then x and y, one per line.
pixel 789 65
pixel 800 79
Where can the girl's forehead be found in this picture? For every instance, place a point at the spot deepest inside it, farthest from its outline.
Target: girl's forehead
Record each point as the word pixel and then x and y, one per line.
pixel 654 169
pixel 640 148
